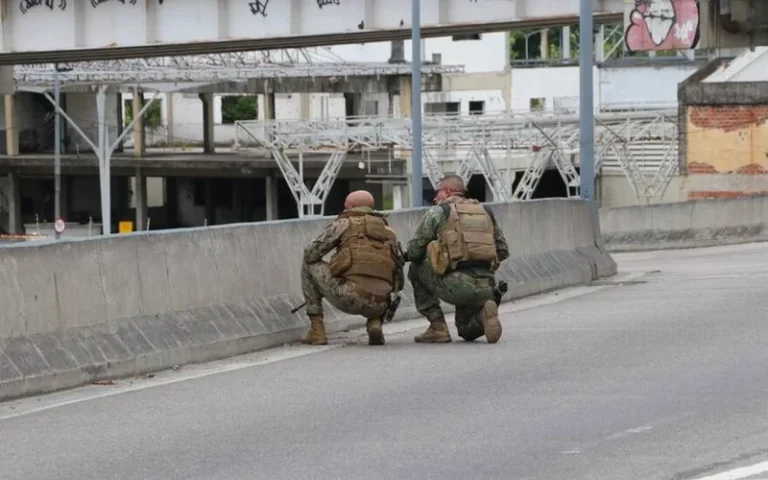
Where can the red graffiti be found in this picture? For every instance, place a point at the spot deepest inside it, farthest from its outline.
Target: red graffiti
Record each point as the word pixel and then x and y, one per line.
pixel 663 25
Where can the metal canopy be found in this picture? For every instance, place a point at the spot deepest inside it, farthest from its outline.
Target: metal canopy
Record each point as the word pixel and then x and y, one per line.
pixel 211 69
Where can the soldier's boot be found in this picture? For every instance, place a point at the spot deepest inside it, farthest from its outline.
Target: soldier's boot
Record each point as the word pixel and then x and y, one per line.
pixel 375 332
pixel 470 331
pixel 491 323
pixel 436 333
pixel 316 333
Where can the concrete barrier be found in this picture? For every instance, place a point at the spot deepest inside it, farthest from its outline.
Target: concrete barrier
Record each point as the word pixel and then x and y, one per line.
pixel 691 224
pixel 82 310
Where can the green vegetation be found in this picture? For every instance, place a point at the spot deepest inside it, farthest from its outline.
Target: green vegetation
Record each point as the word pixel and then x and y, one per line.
pixel 153 117
pixel 239 108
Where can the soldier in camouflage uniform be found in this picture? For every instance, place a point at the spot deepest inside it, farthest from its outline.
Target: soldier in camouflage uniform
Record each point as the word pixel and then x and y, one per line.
pixel 361 276
pixel 454 253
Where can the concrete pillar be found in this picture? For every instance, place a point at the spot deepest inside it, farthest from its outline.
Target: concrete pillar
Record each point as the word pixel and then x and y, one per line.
pixel 397 197
pixel 269 106
pixel 139 142
pixel 11 127
pixel 600 45
pixel 405 97
pixel 305 105
pixel 566 43
pixel 140 197
pixel 271 197
pixel 13 195
pixel 544 44
pixel 208 140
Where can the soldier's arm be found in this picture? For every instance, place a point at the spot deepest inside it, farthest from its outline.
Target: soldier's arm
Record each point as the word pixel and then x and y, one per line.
pixel 502 249
pixel 399 277
pixel 425 233
pixel 325 242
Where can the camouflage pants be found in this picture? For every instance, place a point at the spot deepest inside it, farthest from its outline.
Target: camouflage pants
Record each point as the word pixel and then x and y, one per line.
pixel 318 283
pixel 467 294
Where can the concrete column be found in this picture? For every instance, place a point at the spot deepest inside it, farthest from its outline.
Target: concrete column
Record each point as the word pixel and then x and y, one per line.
pixel 140 196
pixel 397 197
pixel 544 44
pixel 271 197
pixel 405 97
pixel 269 106
pixel 600 45
pixel 139 142
pixel 13 195
pixel 11 127
pixel 565 43
pixel 305 104
pixel 208 140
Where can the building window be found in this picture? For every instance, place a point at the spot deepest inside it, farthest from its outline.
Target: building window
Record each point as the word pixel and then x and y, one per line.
pixel 238 108
pixel 537 104
pixel 476 107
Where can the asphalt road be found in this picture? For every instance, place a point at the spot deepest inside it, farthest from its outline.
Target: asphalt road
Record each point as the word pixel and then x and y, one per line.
pixel 665 377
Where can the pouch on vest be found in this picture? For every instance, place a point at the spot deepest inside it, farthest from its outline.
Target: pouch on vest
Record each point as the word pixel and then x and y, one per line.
pixel 340 263
pixel 438 258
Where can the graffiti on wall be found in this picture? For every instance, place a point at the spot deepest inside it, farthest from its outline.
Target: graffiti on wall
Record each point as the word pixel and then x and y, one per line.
pixel 259 7
pixel 323 3
pixel 26 5
pixel 96 3
pixel 662 25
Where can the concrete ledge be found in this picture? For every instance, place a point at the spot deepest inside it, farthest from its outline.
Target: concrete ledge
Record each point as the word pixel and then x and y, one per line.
pixel 83 310
pixel 691 224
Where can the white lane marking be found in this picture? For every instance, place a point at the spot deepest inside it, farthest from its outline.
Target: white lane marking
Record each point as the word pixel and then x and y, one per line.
pixel 739 473
pixel 30 405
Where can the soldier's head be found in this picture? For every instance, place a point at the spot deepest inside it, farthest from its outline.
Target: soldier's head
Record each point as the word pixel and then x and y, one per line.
pixel 449 186
pixel 359 198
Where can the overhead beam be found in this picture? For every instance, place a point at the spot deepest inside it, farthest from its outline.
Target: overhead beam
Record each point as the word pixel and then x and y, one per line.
pixel 281 42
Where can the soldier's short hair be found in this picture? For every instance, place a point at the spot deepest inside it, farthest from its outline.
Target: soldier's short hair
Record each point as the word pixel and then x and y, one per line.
pixel 454 182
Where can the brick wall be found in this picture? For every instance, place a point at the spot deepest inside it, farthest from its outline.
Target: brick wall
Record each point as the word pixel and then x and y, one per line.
pixel 727 144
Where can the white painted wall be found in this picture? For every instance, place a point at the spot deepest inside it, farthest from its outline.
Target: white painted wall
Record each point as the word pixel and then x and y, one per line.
pixel 488 54
pixel 646 86
pixel 651 87
pixel 549 83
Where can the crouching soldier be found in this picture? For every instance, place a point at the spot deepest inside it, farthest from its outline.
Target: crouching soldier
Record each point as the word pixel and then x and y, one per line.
pixel 360 278
pixel 454 253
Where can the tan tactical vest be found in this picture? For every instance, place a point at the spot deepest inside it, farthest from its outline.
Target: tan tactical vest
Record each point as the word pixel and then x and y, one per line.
pixel 366 253
pixel 467 236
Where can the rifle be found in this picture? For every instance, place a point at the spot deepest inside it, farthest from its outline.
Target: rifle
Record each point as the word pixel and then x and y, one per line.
pixel 389 314
pixel 499 291
pixel 298 308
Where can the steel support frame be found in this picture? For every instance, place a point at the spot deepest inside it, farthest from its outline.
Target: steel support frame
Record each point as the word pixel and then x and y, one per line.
pixel 102 148
pixel 550 139
pixel 310 203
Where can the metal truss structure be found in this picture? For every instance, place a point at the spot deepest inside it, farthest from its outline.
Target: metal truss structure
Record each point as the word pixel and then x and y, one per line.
pixel 207 69
pixel 643 145
pixel 176 73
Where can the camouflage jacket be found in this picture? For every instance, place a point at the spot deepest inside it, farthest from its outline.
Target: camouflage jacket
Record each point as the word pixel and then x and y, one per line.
pixel 329 240
pixel 427 230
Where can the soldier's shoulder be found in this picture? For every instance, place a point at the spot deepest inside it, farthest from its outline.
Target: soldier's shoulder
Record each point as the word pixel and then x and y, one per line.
pixel 438 211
